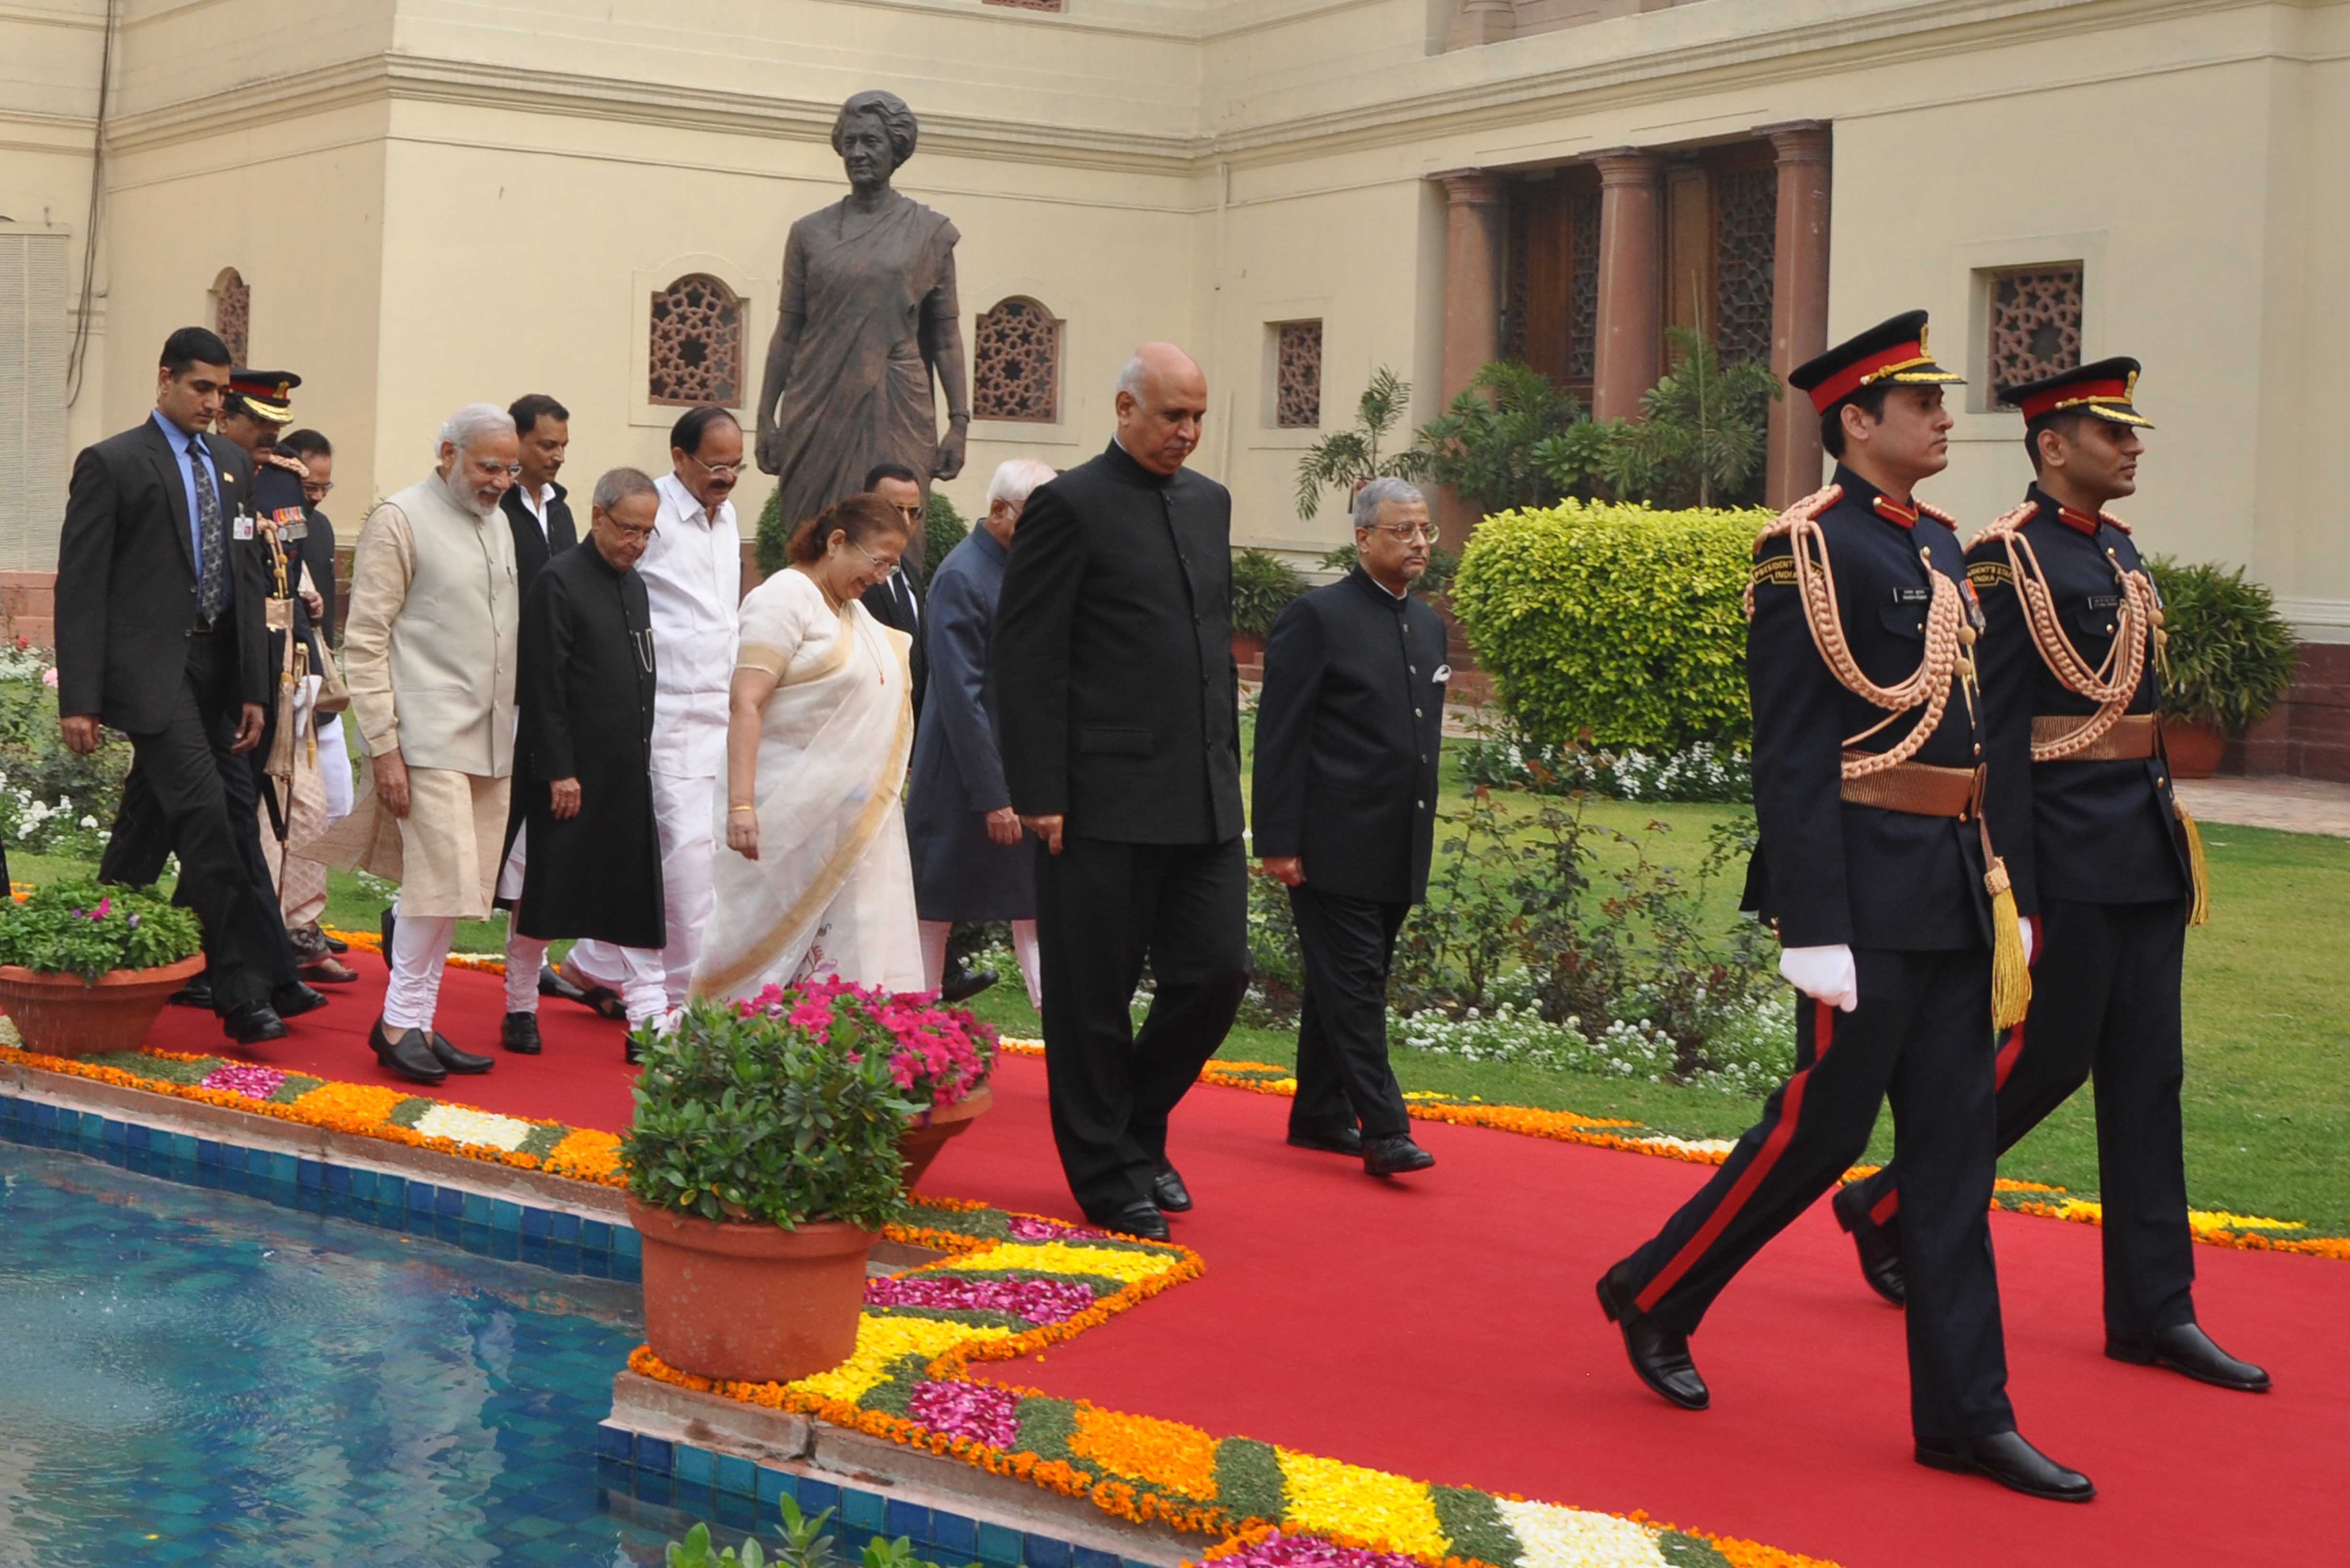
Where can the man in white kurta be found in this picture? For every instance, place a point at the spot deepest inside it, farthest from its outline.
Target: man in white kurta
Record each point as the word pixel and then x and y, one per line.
pixel 430 651
pixel 694 586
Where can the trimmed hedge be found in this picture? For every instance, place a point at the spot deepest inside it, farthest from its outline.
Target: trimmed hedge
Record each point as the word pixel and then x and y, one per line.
pixel 1612 625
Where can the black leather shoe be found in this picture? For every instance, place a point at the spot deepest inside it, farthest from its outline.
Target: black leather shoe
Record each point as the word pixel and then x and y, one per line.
pixel 457 1060
pixel 1879 1246
pixel 962 982
pixel 409 1053
pixel 2189 1351
pixel 1168 1192
pixel 197 993
pixel 1336 1140
pixel 251 1023
pixel 600 1000
pixel 2008 1459
pixel 1137 1219
pixel 1660 1354
pixel 294 1000
pixel 519 1033
pixel 551 983
pixel 1395 1155
pixel 335 944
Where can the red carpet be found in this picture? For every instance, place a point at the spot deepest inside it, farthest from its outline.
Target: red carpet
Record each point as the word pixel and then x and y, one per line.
pixel 1444 1328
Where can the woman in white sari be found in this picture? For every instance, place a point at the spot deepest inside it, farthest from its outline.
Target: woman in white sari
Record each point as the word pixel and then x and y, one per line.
pixel 818 882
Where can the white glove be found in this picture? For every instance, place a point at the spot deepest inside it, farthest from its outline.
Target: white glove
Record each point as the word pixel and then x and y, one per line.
pixel 2025 927
pixel 1826 974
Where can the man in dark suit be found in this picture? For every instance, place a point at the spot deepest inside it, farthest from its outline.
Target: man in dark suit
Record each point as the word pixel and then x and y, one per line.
pixel 535 508
pixel 898 602
pixel 1349 720
pixel 1120 718
pixel 161 635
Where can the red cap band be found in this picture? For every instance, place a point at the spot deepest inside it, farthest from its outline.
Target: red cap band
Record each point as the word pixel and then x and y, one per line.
pixel 2074 393
pixel 1860 372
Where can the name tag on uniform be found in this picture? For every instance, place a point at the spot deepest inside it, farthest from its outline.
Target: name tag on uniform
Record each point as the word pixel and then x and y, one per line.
pixel 1913 596
pixel 2105 601
pixel 1443 673
pixel 240 525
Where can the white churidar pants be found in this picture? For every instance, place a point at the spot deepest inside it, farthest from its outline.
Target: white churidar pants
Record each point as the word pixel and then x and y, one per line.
pixel 1024 947
pixel 420 948
pixel 641 988
pixel 684 811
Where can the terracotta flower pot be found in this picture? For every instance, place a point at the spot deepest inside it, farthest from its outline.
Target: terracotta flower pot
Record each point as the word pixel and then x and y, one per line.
pixel 2193 748
pixel 750 1302
pixel 931 1130
pixel 64 1015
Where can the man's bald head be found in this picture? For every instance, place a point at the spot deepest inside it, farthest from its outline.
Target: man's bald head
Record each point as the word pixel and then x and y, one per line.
pixel 1163 397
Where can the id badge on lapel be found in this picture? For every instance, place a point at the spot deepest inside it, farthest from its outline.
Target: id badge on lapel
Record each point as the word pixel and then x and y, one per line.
pixel 240 526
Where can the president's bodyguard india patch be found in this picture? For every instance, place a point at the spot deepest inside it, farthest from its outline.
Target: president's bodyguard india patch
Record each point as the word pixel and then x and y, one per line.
pixel 1775 569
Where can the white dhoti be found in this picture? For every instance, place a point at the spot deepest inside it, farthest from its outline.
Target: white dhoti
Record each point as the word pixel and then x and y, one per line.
pixel 683 814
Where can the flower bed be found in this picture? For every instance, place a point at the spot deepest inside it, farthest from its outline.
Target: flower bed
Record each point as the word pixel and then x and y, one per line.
pixel 1022 1282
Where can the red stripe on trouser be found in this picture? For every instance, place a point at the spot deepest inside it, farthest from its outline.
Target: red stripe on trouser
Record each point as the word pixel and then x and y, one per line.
pixel 1791 1110
pixel 1887 1207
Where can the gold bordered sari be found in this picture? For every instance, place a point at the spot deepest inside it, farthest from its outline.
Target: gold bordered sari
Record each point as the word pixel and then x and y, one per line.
pixel 832 892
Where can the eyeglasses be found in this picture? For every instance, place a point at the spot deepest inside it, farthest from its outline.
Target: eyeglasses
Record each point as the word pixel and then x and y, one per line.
pixel 715 470
pixel 908 509
pixel 511 470
pixel 1425 532
pixel 633 536
pixel 318 489
pixel 885 567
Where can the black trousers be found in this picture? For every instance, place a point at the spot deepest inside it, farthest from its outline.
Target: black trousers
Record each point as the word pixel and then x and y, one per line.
pixel 180 797
pixel 1343 1077
pixel 1921 1035
pixel 2105 1000
pixel 1102 909
pixel 142 837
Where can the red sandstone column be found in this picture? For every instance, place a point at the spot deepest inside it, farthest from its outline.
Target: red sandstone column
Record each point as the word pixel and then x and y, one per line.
pixel 1631 285
pixel 1799 301
pixel 1473 303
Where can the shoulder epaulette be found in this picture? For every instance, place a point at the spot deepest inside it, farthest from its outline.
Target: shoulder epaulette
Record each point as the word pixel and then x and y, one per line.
pixel 2109 518
pixel 2004 525
pixel 1935 513
pixel 292 466
pixel 1802 512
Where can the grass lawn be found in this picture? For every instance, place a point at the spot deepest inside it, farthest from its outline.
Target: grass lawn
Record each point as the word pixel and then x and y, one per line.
pixel 2267 1024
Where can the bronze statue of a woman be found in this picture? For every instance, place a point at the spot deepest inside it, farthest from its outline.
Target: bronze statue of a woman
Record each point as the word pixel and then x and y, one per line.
pixel 869 313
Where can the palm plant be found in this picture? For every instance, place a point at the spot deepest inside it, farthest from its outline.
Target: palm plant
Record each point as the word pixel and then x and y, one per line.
pixel 1488 445
pixel 1703 431
pixel 1347 460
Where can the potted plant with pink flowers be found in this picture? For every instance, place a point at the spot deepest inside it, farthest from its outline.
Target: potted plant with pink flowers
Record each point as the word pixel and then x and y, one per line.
pixel 939 1056
pixel 86 968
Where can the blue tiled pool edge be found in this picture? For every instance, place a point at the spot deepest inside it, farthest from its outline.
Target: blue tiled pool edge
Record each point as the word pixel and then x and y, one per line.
pixel 458 1216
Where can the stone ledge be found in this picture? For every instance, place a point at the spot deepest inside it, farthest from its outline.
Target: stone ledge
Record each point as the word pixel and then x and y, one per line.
pixel 821 1452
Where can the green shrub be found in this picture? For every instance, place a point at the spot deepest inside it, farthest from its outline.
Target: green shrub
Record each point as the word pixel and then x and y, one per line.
pixel 2232 654
pixel 1613 627
pixel 46 792
pixel 1263 586
pixel 942 529
pixel 79 927
pixel 759 1118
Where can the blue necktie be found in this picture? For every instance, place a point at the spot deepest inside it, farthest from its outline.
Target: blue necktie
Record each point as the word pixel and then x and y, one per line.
pixel 212 538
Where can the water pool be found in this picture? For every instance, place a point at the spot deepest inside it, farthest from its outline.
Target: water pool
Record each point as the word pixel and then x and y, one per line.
pixel 195 1377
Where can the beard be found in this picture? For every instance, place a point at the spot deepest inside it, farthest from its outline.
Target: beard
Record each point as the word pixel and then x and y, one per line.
pixel 467 498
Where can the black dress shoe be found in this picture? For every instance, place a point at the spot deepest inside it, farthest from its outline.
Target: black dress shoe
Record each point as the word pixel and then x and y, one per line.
pixel 457 1060
pixel 2008 1459
pixel 1395 1155
pixel 1137 1219
pixel 197 993
pixel 1660 1354
pixel 251 1023
pixel 335 944
pixel 1879 1246
pixel 1336 1140
pixel 551 983
pixel 962 982
pixel 2188 1350
pixel 519 1033
pixel 409 1053
pixel 1168 1191
pixel 294 1000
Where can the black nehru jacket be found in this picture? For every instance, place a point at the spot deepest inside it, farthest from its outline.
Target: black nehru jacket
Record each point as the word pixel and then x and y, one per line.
pixel 319 556
pixel 1827 872
pixel 1346 735
pixel 126 590
pixel 1113 656
pixel 533 547
pixel 2092 832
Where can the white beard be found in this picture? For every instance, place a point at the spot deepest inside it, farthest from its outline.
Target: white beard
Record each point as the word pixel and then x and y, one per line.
pixel 462 495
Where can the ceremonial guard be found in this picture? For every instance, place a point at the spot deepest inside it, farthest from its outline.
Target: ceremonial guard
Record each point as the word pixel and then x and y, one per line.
pixel 2107 865
pixel 1877 871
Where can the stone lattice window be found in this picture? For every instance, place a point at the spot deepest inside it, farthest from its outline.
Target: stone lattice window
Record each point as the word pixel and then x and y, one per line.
pixel 1746 241
pixel 697 343
pixel 1583 294
pixel 1298 376
pixel 233 312
pixel 2035 323
pixel 1017 363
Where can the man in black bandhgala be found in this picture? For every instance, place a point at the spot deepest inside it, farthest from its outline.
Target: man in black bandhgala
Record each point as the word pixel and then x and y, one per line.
pixel 583 856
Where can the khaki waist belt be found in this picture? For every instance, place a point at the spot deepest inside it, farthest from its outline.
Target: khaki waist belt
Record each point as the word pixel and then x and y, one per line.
pixel 1917 788
pixel 2132 739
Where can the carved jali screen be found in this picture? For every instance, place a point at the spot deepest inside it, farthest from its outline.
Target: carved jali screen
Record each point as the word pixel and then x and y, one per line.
pixel 2035 323
pixel 1017 363
pixel 697 343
